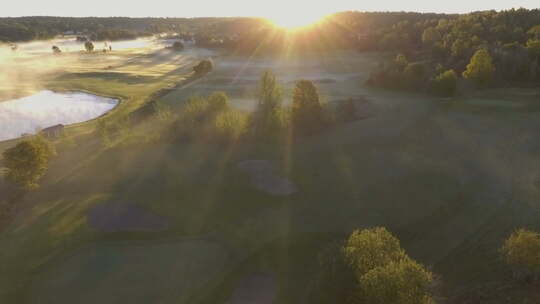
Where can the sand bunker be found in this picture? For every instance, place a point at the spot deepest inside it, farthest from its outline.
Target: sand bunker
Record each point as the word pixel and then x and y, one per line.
pixel 264 178
pixel 255 288
pixel 125 217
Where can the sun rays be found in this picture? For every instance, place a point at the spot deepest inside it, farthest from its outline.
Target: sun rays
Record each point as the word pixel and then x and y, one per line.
pixel 291 20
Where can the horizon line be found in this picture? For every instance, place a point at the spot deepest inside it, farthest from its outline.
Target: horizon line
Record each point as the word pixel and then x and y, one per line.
pixel 262 17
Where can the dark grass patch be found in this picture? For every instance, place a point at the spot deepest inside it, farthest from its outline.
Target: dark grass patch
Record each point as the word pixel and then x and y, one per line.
pixel 264 178
pixel 255 288
pixel 125 217
pixel 116 76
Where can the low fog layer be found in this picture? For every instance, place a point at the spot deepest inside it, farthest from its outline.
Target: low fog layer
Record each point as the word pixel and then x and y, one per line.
pixel 70 44
pixel 47 108
pixel 26 69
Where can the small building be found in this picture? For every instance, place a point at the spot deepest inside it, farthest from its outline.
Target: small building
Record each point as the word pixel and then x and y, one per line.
pixel 53 132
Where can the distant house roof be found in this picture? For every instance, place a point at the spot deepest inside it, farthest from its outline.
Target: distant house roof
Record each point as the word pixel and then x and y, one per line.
pixel 53 128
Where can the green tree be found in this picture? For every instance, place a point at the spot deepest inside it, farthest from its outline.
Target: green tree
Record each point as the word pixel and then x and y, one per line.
pixel 481 68
pixel 402 282
pixel 460 48
pixel 368 249
pixel 218 101
pixel 401 62
pixel 445 84
pixel 521 250
pixel 384 272
pixel 267 116
pixel 414 76
pixel 203 67
pixel 306 108
pixel 431 36
pixel 533 46
pixel 56 50
pixel 89 46
pixel 231 125
pixel 534 32
pixel 27 162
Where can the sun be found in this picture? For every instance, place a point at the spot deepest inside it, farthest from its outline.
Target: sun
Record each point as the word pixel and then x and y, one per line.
pixel 295 21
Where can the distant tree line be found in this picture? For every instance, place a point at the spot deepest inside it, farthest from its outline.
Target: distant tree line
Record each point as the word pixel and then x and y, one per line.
pixel 111 28
pixel 488 48
pixel 429 52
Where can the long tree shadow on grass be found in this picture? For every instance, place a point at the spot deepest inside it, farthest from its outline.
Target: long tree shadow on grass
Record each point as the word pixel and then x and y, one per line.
pixel 126 78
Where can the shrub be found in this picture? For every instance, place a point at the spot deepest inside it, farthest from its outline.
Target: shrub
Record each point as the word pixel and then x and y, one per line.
pixel 230 125
pixel 533 46
pixel 203 67
pixel 445 84
pixel 112 130
pixel 401 62
pixel 89 46
pixel 481 68
pixel 521 250
pixel 162 111
pixel 192 117
pixel 28 161
pixel 210 117
pixel 218 101
pixel 414 76
pixel 178 46
pixel 267 120
pixel 56 49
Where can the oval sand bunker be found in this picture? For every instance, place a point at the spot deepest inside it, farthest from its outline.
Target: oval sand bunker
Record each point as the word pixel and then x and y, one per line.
pixel 125 217
pixel 47 108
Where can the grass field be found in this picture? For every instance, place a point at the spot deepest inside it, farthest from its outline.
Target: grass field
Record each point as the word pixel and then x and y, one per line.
pixel 122 272
pixel 449 179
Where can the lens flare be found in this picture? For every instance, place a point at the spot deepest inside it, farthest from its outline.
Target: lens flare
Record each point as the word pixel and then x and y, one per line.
pixel 294 21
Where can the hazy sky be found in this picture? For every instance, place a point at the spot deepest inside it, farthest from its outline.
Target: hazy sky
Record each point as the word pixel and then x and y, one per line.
pixel 269 8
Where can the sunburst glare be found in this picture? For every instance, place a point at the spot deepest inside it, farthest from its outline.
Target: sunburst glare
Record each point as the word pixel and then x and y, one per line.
pixel 294 21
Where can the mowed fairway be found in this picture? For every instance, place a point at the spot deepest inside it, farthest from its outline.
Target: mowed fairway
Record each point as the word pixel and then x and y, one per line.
pixel 338 75
pixel 145 272
pixel 451 180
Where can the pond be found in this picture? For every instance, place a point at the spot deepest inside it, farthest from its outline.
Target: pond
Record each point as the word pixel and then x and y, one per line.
pixel 46 108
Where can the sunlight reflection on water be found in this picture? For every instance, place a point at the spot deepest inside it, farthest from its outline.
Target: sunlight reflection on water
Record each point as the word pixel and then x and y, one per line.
pixel 48 108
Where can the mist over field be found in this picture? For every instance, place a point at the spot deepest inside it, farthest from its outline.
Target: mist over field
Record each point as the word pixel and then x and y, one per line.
pixel 305 156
